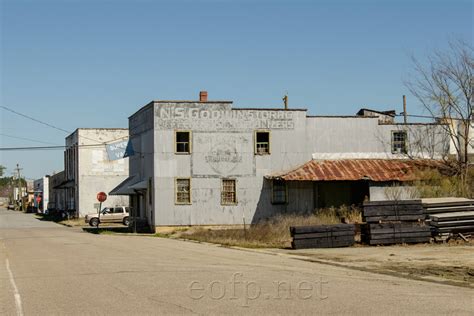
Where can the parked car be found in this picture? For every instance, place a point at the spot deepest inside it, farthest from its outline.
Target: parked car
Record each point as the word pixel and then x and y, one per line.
pixel 116 214
pixel 11 206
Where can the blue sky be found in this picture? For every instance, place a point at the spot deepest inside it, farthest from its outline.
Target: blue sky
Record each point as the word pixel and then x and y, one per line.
pixel 79 63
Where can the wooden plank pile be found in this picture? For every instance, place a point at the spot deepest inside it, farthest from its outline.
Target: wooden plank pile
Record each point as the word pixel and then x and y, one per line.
pixel 454 222
pixel 394 222
pixel 396 233
pixel 449 216
pixel 322 236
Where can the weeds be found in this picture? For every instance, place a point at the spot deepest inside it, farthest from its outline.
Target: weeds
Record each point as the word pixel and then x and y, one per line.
pixel 436 184
pixel 274 232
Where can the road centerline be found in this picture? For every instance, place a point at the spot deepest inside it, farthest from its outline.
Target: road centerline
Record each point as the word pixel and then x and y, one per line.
pixel 16 293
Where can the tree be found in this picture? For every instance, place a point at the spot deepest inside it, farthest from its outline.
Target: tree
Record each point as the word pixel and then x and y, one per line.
pixel 2 169
pixel 444 86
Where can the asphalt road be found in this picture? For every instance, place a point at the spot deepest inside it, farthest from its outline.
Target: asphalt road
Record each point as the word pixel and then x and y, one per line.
pixel 48 269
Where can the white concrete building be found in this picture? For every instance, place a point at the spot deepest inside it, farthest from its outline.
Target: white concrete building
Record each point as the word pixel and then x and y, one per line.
pixel 207 163
pixel 57 195
pixel 41 194
pixel 458 140
pixel 90 168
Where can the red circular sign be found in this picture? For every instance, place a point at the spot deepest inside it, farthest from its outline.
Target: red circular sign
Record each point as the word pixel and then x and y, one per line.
pixel 101 197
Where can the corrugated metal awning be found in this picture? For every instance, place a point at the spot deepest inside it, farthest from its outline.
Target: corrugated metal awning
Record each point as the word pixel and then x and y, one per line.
pixel 142 185
pixel 124 188
pixel 356 169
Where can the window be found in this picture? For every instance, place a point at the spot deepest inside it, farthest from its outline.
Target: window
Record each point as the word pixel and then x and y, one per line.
pixel 399 142
pixel 228 195
pixel 279 192
pixel 183 191
pixel 183 142
pixel 262 143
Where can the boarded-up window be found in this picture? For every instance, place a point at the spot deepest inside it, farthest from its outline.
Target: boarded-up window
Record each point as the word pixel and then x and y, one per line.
pixel 399 142
pixel 228 195
pixel 279 192
pixel 183 142
pixel 183 191
pixel 262 143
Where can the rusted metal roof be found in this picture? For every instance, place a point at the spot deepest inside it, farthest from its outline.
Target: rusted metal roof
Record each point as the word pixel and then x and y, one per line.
pixel 356 169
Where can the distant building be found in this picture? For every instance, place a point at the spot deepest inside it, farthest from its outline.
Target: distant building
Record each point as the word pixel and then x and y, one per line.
pixel 457 140
pixel 57 195
pixel 92 165
pixel 41 194
pixel 208 163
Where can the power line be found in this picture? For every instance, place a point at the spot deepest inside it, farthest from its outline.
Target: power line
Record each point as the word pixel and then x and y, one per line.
pixel 430 117
pixel 33 119
pixel 55 127
pixel 28 139
pixel 31 148
pixel 46 147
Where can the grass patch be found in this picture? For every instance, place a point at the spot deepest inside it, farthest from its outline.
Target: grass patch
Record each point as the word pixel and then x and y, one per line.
pixel 73 222
pixel 271 233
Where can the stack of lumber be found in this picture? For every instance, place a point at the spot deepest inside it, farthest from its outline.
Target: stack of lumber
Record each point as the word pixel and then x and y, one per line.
pixel 449 215
pixel 388 211
pixel 447 205
pixel 394 222
pixel 453 222
pixel 322 236
pixel 396 233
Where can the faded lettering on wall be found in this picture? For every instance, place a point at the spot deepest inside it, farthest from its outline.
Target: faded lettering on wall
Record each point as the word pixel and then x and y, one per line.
pixel 199 118
pixel 218 157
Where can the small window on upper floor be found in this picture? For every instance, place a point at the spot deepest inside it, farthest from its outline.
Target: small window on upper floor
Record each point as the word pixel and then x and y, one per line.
pixel 262 143
pixel 183 142
pixel 399 142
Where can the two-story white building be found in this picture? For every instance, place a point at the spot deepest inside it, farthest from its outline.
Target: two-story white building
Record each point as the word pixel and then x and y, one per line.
pixel 91 166
pixel 208 163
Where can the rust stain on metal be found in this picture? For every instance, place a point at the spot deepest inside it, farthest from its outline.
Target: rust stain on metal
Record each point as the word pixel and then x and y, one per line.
pixel 357 169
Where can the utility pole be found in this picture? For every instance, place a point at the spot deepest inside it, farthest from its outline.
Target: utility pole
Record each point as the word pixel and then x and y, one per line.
pixel 285 101
pixel 405 114
pixel 18 175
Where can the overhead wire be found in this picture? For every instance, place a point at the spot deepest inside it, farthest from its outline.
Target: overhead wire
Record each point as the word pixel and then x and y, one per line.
pixel 27 139
pixel 51 126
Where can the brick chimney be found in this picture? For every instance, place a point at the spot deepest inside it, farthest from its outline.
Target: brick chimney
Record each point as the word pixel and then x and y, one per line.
pixel 203 96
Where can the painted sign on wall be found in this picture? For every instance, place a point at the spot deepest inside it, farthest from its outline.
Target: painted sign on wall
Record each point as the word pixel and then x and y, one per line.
pixel 119 150
pixel 223 157
pixel 209 118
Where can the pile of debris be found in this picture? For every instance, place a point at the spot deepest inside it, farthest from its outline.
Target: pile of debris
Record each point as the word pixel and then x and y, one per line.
pixel 450 217
pixel 322 236
pixel 394 222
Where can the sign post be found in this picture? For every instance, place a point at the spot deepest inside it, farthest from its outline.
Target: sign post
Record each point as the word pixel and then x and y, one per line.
pixel 101 197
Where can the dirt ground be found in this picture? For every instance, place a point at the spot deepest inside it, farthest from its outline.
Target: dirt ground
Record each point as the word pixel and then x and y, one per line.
pixel 451 263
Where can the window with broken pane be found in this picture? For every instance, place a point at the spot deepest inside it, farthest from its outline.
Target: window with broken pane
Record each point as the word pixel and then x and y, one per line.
pixel 228 192
pixel 183 142
pixel 183 191
pixel 399 142
pixel 262 143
